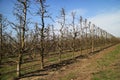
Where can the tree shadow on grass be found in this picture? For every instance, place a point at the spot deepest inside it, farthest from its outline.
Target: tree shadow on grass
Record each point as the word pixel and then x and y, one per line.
pixel 59 65
pixel 52 67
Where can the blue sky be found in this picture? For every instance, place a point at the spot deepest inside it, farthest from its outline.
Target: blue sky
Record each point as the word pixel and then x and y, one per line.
pixel 103 13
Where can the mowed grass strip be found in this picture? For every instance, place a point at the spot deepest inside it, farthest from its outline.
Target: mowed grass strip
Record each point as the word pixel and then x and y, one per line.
pixel 33 66
pixel 109 66
pixel 9 72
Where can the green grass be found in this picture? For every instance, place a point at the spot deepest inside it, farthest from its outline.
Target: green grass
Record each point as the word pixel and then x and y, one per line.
pixel 64 56
pixel 6 69
pixel 52 59
pixel 11 76
pixel 30 65
pixel 107 75
pixel 107 61
pixel 35 65
pixel 30 69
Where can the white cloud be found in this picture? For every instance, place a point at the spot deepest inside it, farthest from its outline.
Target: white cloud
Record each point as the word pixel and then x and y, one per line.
pixel 78 11
pixel 109 21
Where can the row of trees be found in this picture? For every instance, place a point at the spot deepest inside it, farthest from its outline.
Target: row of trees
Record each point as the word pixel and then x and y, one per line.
pixel 46 39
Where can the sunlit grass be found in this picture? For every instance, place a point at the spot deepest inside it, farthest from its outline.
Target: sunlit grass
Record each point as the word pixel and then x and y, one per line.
pixel 106 61
pixel 35 65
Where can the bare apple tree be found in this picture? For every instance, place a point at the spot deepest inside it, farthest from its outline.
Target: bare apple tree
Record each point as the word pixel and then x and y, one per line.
pixel 20 12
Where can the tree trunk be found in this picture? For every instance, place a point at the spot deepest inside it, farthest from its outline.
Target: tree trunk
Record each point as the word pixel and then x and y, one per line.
pixel 22 36
pixel 0 43
pixel 19 65
pixel 60 55
pixel 42 41
pixel 93 38
pixel 74 47
pixel 42 61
